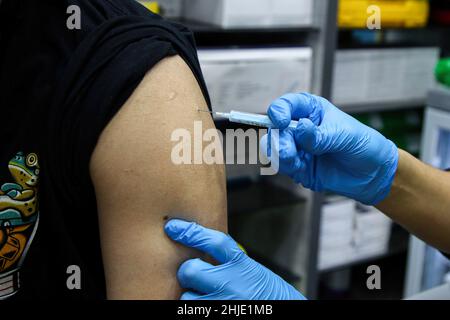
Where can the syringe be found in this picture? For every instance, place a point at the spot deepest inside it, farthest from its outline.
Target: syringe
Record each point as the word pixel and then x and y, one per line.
pixel 250 119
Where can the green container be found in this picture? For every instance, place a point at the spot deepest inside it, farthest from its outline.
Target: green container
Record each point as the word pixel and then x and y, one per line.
pixel 443 71
pixel 393 121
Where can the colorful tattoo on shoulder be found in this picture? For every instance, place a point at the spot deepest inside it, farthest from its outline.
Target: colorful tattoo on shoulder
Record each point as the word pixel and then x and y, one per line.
pixel 19 217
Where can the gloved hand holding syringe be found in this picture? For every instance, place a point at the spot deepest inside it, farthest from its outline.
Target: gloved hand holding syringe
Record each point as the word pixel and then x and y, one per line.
pixel 251 119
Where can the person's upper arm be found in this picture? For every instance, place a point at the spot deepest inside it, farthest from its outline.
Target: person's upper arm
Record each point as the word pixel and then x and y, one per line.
pixel 138 186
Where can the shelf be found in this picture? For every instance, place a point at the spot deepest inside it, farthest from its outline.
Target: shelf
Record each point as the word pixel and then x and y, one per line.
pixel 199 28
pixel 208 35
pixel 245 198
pixel 397 37
pixel 363 260
pixel 382 106
pixel 430 28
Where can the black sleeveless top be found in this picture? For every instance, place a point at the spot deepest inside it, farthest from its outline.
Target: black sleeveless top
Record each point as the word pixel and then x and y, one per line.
pixel 60 85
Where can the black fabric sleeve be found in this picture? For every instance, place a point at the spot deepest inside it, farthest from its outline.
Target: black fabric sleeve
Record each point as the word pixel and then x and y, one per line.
pixel 100 76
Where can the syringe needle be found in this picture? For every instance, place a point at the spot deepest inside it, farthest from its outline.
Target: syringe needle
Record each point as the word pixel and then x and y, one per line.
pixel 218 114
pixel 207 111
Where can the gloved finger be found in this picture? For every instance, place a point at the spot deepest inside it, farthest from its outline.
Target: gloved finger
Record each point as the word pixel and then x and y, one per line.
pixel 309 137
pixel 215 243
pixel 292 107
pixel 304 175
pixel 206 297
pixel 189 295
pixel 285 149
pixel 198 275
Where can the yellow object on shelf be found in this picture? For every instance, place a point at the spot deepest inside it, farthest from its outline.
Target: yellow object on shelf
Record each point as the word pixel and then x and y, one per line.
pixel 153 6
pixel 394 13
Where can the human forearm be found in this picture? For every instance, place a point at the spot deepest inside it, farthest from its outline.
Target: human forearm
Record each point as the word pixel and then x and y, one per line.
pixel 420 201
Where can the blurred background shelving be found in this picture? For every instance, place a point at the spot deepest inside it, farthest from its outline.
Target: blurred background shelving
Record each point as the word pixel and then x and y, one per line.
pixel 321 243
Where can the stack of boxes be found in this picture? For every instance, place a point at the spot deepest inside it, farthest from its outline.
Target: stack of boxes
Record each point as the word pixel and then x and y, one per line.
pixel 351 232
pixel 336 233
pixel 365 76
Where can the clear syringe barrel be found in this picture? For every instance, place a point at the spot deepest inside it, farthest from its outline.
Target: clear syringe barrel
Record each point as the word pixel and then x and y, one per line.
pixel 257 120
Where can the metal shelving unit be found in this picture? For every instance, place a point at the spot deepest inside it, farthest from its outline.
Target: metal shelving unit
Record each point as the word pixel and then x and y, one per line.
pixel 324 48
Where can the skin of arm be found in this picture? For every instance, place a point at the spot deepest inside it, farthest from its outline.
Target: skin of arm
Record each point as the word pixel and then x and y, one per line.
pixel 138 187
pixel 420 201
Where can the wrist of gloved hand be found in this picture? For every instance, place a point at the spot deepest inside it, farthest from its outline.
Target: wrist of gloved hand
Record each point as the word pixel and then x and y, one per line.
pixel 380 186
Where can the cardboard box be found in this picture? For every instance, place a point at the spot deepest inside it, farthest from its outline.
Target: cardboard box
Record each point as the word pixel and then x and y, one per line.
pixel 249 80
pixel 250 13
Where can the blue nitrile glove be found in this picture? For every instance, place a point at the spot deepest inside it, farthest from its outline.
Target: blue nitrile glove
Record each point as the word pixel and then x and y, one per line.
pixel 237 277
pixel 330 150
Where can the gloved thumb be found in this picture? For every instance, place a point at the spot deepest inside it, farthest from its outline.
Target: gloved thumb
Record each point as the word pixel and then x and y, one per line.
pixel 214 243
pixel 308 137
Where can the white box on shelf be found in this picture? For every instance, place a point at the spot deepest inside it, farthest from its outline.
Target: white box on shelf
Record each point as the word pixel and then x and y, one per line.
pixel 292 12
pixel 336 232
pixel 250 79
pixel 336 227
pixel 337 220
pixel 350 232
pixel 372 233
pixel 339 209
pixel 371 220
pixel 171 8
pixel 335 240
pixel 376 248
pixel 365 76
pixel 251 13
pixel 335 257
